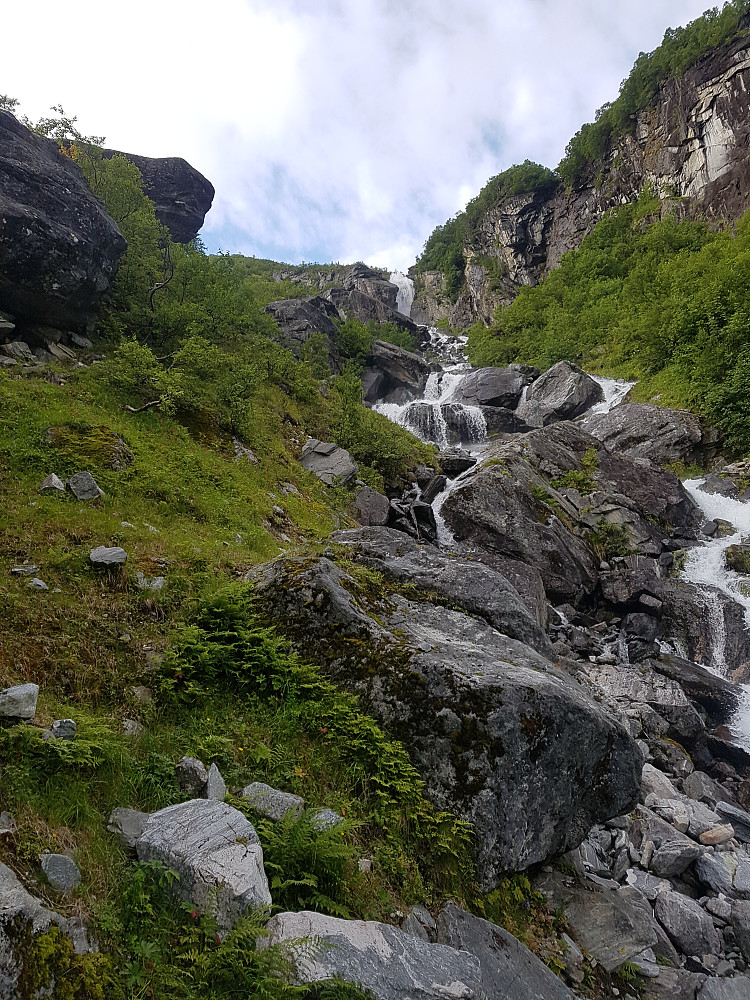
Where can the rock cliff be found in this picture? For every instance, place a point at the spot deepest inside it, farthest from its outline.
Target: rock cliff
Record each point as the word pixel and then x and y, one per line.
pixel 691 147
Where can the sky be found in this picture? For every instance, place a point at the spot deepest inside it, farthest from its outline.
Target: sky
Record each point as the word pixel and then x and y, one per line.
pixel 332 130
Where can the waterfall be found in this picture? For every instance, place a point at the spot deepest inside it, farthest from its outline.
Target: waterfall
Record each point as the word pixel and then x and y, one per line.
pixel 405 294
pixel 614 389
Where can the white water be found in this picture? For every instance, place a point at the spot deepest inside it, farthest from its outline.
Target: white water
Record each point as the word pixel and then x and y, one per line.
pixel 705 567
pixel 615 390
pixel 405 294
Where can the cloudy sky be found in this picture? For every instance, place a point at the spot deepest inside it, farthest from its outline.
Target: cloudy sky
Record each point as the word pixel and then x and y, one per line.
pixel 332 129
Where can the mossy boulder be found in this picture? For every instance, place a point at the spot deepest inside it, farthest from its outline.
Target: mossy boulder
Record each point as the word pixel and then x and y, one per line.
pixel 738 558
pixel 84 445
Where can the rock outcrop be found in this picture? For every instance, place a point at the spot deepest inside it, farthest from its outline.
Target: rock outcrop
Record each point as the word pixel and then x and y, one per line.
pixel 59 250
pixel 181 194
pixel 300 319
pixel 642 430
pixel 393 375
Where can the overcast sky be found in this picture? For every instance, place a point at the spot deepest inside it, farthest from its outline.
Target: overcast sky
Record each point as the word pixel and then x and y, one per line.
pixel 332 129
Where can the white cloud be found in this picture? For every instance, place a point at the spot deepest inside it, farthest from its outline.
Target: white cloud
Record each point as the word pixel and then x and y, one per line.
pixel 341 130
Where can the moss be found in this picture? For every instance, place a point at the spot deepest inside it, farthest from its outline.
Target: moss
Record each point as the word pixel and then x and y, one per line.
pixel 81 445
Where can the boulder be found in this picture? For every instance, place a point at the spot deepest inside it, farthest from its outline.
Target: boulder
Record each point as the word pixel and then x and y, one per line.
pixel 393 964
pixel 83 486
pixel 299 319
pixel 59 250
pixel 62 871
pixel 216 853
pixel 104 556
pixel 215 787
pixel 325 819
pixel 371 507
pixel 192 776
pixel 495 386
pixel 563 392
pixel 740 917
pixel 486 719
pixel 703 788
pixel 18 908
pixel 499 420
pixel 64 729
pixel 736 988
pixel 272 803
pixel 509 971
pixel 127 825
pixel 393 374
pixel 739 819
pixel 654 782
pixel 454 461
pixel 725 871
pixel 613 925
pixel 332 465
pixel 52 484
pixel 687 923
pixel 647 431
pixel 19 701
pixel 181 194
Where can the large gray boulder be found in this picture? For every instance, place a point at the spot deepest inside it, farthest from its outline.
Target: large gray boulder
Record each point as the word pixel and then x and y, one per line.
pixel 299 319
pixel 646 431
pixel 687 923
pixel 393 374
pixel 271 802
pixel 736 988
pixel 563 392
pixel 495 386
pixel 59 249
pixel 334 466
pixel 500 736
pixel 216 853
pixel 19 701
pixel 468 585
pixel 509 970
pixel 181 194
pixel 391 963
pixel 725 871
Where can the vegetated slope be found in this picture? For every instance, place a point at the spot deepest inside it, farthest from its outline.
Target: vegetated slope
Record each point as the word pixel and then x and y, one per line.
pixel 655 299
pixel 679 124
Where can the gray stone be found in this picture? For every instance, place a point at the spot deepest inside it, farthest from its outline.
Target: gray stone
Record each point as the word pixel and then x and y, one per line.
pixel 700 786
pixel 647 884
pixel 495 386
pixel 391 963
pixel 103 556
pixel 18 350
pixel 64 729
pixel 52 483
pixel 646 431
pixel 37 584
pixel 62 871
pixel 83 486
pixel 371 507
pixel 7 823
pixel 19 702
pixel 720 908
pixel 191 776
pixel 673 857
pixel 613 925
pixel 688 925
pixel 131 727
pixel 509 970
pixel 299 319
pixel 215 851
pixel 725 871
pixel 563 392
pixel 272 803
pixel 736 988
pixel 739 819
pixel 394 375
pixel 332 465
pixel 740 917
pixel 325 819
pixel 25 570
pixel 655 782
pixel 150 582
pixel 127 825
pixel 215 787
pixel 421 924
pixel 675 984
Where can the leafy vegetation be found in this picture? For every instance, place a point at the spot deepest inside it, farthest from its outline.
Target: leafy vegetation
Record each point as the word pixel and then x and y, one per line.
pixel 444 249
pixel 680 49
pixel 646 298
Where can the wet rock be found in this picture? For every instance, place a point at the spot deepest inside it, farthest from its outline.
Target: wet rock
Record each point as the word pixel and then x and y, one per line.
pixel 455 461
pixel 272 803
pixel 393 964
pixel 499 420
pixel 127 825
pixel 61 871
pixel 370 507
pixel 715 694
pixel 737 558
pixel 331 464
pixel 191 776
pixel 485 718
pixel 613 925
pixel 83 486
pixel 19 701
pixel 216 853
pixel 434 488
pixel 495 386
pixel 52 484
pixel 647 431
pixel 508 969
pixel 104 556
pixel 393 374
pixel 563 392
pixel 19 908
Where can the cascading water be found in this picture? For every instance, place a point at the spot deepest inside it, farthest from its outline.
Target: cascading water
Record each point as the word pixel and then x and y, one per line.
pixel 615 390
pixel 706 568
pixel 405 294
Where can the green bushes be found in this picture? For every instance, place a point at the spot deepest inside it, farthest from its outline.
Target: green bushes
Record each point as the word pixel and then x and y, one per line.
pixel 357 338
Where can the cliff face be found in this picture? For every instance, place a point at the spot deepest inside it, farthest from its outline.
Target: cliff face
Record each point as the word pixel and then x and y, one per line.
pixel 692 147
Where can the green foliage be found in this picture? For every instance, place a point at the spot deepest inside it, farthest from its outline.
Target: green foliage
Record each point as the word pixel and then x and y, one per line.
pixel 664 301
pixel 444 249
pixel 580 479
pixel 680 49
pixel 356 338
pixel 50 967
pixel 609 540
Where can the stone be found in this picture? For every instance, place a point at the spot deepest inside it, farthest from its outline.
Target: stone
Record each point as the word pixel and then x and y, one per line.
pixel 717 835
pixel 7 824
pixel 83 486
pixel 421 924
pixel 334 466
pixel 24 570
pixel 611 924
pixel 727 872
pixel 648 885
pixel 655 782
pixel 675 984
pixel 673 858
pixel 325 819
pixel 739 819
pixel 142 694
pixel 393 374
pixel 18 350
pixel 740 917
pixel 52 483
pixel 132 728
pixel 495 386
pixel 497 763
pixel 737 558
pixel 191 776
pixel 216 853
pixel 59 249
pixel 36 584
pixel 83 342
pixel 646 431
pixel 736 988
pixel 300 319
pixel 61 871
pixel 687 924
pixel 155 583
pixel 104 556
pixel 371 507
pixel 19 702
pixel 700 786
pixel 64 729
pixel 272 803
pixel 181 194
pixel 454 461
pixel 127 825
pixel 393 964
pixel 215 787
pixel 563 392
